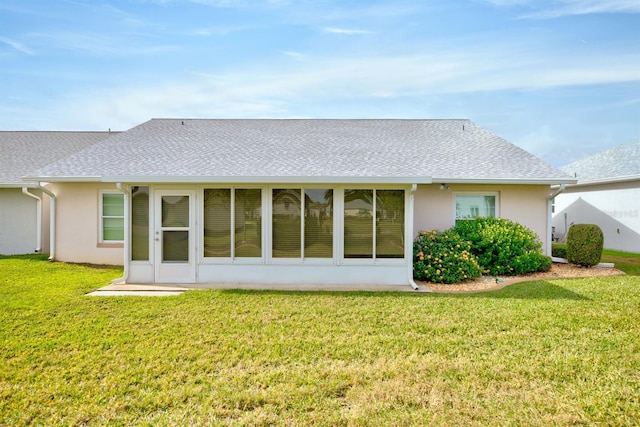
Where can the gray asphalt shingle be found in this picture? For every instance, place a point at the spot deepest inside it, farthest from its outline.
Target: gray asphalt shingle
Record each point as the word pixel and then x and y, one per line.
pixel 273 148
pixel 616 162
pixel 22 153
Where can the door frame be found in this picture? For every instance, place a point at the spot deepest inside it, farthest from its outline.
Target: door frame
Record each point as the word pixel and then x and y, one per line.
pixel 174 272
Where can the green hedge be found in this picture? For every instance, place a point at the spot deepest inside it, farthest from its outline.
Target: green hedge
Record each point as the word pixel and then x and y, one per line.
pixel 584 244
pixel 503 247
pixel 443 257
pixel 559 250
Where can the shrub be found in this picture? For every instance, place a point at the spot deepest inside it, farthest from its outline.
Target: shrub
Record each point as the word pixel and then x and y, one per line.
pixel 559 250
pixel 503 247
pixel 584 244
pixel 443 257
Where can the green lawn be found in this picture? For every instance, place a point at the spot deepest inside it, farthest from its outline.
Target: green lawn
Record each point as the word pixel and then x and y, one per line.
pixel 562 352
pixel 625 261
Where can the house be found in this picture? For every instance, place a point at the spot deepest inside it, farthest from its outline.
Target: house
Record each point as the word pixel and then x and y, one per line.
pixel 607 194
pixel 322 202
pixel 24 207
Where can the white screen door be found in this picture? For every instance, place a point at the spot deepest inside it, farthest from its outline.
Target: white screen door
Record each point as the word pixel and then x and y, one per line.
pixel 174 245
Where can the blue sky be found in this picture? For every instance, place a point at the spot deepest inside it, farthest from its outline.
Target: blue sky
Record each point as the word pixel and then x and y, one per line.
pixel 559 78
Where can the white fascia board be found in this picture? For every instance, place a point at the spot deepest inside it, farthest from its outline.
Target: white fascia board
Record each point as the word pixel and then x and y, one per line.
pixel 615 180
pixel 270 179
pixel 505 181
pixel 18 185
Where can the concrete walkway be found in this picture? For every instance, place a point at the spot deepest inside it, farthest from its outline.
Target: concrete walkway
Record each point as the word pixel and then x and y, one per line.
pixel 118 289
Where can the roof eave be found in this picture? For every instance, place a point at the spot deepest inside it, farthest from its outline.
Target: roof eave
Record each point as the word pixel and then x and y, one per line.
pixel 62 179
pixel 270 179
pixel 614 180
pixel 507 181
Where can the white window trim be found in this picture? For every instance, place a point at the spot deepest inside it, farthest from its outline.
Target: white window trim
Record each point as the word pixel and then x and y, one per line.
pixel 496 194
pixel 101 216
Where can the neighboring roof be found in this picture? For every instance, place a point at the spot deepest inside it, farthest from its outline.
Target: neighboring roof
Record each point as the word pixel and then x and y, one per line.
pixel 22 153
pixel 614 164
pixel 301 150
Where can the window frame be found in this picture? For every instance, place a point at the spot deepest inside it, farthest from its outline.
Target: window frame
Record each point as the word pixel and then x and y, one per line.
pixel 495 194
pixel 102 217
pixel 233 259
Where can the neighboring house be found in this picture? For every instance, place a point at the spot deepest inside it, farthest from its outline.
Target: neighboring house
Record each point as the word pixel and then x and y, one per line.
pixel 607 194
pixel 24 207
pixel 324 202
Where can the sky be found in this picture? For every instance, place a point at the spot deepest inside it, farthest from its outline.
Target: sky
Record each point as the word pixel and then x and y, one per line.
pixel 559 78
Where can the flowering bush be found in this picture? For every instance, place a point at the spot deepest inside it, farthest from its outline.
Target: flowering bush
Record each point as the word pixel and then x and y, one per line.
pixel 443 257
pixel 503 247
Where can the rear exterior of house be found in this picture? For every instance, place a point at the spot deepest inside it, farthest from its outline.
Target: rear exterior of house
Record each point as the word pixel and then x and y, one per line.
pixel 607 194
pixel 322 202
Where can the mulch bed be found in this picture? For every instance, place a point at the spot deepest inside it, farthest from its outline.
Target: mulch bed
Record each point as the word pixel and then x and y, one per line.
pixel 558 271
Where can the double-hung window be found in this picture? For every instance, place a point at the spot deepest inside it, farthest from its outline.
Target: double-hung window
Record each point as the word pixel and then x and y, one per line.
pixel 111 217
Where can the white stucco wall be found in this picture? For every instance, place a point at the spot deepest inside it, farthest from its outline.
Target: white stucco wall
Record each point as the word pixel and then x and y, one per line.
pixel 615 208
pixel 77 222
pixel 17 222
pixel 525 204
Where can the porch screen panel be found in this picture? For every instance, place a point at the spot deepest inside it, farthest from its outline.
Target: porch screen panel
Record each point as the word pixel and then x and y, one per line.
pixel 318 223
pixel 358 223
pixel 140 223
pixel 175 218
pixel 248 223
pixel 390 224
pixel 286 225
pixel 217 222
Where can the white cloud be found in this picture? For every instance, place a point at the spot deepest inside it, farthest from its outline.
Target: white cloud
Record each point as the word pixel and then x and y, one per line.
pixel 347 31
pixel 17 46
pixel 558 8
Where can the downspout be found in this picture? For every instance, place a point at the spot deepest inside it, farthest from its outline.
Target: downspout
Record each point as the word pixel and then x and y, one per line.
pixel 408 246
pixel 52 221
pixel 25 191
pixel 127 234
pixel 550 215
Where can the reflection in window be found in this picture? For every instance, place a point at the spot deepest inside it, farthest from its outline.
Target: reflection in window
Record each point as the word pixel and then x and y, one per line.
pixel 140 223
pixel 358 223
pixel 240 207
pixel 217 222
pixel 472 206
pixel 318 223
pixel 286 226
pixel 389 223
pixel 374 211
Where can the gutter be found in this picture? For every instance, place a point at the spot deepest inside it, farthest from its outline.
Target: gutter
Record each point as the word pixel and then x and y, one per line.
pixel 412 283
pixel 550 198
pixel 127 233
pixel 25 191
pixel 52 221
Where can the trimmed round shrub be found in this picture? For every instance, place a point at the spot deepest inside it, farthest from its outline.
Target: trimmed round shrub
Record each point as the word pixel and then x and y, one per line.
pixel 443 257
pixel 559 250
pixel 584 244
pixel 503 247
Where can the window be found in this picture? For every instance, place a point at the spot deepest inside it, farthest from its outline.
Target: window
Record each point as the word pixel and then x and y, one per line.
pixel 373 216
pixel 471 206
pixel 140 223
pixel 239 210
pixel 302 223
pixel 111 217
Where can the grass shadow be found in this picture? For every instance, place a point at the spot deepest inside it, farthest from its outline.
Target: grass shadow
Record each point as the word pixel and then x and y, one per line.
pixel 540 289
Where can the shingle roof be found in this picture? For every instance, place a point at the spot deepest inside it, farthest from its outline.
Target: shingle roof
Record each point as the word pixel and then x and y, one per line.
pixel 22 153
pixel 271 149
pixel 616 162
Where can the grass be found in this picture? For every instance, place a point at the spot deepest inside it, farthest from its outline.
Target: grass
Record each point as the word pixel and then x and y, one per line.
pixel 561 352
pixel 625 261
